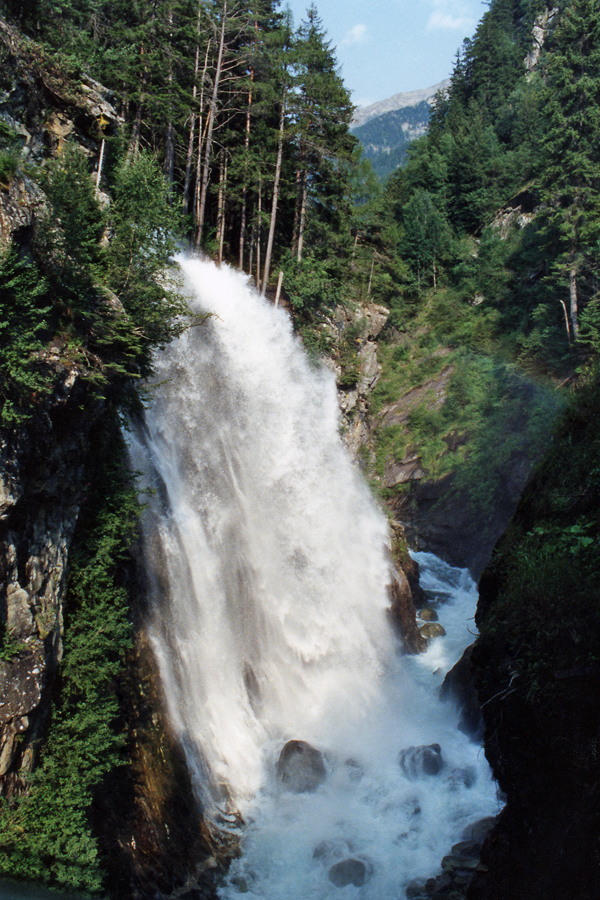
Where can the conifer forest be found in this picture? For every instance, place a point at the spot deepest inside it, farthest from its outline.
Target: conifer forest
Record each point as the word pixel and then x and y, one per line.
pixel 132 131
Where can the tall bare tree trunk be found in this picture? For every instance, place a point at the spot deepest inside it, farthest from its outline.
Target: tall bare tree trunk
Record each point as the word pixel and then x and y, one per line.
pixel 567 323
pixel 221 206
pixel 296 226
pixel 244 214
pixel 252 242
pixel 275 201
pixel 100 165
pixel 371 276
pixel 212 112
pixel 258 230
pixel 303 205
pixel 573 301
pixel 197 191
pixel 245 186
pixel 170 138
pixel 189 159
pixel 134 143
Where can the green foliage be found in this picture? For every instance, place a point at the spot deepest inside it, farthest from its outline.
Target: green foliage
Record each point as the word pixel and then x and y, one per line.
pixel 512 420
pixel 46 835
pixel 479 415
pixel 347 354
pixel 76 227
pixel 545 570
pixel 9 162
pixel 426 234
pixel 9 153
pixel 144 227
pixel 590 327
pixel 386 139
pixel 10 647
pixel 25 318
pixel 107 307
pixel 309 285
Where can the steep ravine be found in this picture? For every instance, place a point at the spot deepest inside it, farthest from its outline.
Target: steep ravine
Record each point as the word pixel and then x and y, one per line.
pixel 539 690
pixel 151 835
pixel 535 666
pixel 537 672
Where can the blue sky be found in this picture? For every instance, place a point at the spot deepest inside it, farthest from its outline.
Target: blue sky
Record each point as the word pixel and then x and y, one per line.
pixel 391 46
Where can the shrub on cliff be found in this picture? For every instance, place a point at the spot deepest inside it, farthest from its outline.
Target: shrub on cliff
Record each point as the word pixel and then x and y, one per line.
pixel 46 834
pixel 24 325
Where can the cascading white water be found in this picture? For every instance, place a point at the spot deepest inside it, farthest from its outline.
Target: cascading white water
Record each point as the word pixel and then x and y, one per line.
pixel 268 568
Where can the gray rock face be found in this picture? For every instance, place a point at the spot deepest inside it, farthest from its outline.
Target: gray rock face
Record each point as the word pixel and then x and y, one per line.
pixel 42 485
pixel 403 613
pixel 20 208
pixel 418 761
pixel 350 871
pixel 300 767
pixel 369 319
pixel 370 369
pixel 539 32
pixel 459 686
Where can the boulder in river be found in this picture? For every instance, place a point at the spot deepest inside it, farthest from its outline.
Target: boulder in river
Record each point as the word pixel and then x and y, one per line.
pixel 300 767
pixel 354 770
pixel 350 871
pixel 423 760
pixel 459 686
pixel 461 776
pixel 428 614
pixel 328 851
pixel 432 630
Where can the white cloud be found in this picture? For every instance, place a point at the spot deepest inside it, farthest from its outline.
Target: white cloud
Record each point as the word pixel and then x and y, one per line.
pixel 451 15
pixel 356 35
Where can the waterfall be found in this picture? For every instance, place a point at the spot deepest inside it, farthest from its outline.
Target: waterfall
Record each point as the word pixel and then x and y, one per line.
pixel 268 563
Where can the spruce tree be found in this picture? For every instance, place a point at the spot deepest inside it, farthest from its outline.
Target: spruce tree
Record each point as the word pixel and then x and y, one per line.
pixel 322 114
pixel 571 174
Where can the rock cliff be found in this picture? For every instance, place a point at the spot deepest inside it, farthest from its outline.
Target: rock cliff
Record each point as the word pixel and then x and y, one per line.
pixel 536 669
pixel 42 490
pixel 354 333
pixel 146 825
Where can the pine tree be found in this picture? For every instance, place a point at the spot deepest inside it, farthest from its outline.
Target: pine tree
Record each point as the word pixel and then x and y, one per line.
pixel 322 113
pixel 571 175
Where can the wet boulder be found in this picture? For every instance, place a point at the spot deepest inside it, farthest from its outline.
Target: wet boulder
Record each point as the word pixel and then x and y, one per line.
pixel 350 871
pixel 428 614
pixel 432 630
pixel 479 830
pixel 461 776
pixel 300 767
pixel 353 769
pixel 328 851
pixel 459 686
pixel 423 760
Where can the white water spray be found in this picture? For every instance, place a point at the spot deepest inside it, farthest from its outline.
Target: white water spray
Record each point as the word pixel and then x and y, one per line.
pixel 268 568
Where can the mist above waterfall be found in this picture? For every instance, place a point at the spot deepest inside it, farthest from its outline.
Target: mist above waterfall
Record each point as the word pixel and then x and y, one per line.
pixel 268 566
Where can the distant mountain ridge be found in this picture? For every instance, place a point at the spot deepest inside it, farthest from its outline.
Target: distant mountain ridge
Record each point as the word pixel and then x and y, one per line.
pixel 385 129
pixel 364 114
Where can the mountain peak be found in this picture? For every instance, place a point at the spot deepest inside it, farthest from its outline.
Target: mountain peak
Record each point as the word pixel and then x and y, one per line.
pixel 364 114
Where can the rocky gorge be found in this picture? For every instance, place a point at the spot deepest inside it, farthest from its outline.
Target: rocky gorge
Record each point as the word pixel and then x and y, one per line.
pixel 530 681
